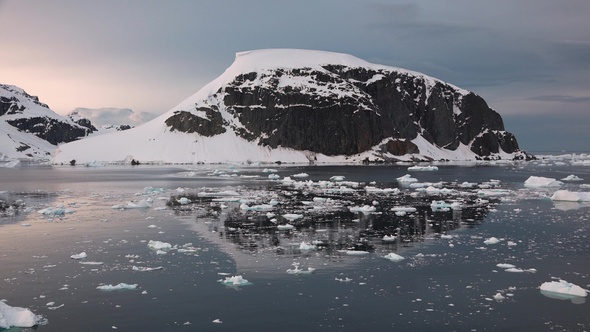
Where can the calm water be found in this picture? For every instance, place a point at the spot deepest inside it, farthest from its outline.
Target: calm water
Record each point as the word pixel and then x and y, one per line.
pixel 443 284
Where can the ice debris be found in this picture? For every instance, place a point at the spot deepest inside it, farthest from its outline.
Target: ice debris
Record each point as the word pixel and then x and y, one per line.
pixel 120 286
pixel 297 270
pixel 564 288
pixel 286 227
pixel 423 168
pixel 491 240
pixel 18 317
pixel 146 269
pixel 57 211
pixel 394 257
pixel 542 182
pixel 572 177
pixel 570 196
pixel 235 281
pixel 159 245
pixel 366 209
pixel 81 255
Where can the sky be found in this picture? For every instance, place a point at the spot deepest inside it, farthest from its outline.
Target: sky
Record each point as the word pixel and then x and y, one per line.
pixel 529 59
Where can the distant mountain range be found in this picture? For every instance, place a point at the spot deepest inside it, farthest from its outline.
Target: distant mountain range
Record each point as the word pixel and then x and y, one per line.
pixel 299 106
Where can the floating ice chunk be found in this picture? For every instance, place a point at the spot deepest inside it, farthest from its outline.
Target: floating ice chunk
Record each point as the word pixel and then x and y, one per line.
pixel 292 216
pixel 235 281
pixel 226 193
pixel 394 257
pixel 215 321
pixel 94 163
pixel 273 176
pixel 57 211
pixel 423 168
pixel 388 238
pixel 514 270
pixel 10 164
pixel 260 207
pixel 300 175
pixel 347 279
pixel 91 263
pixel 357 252
pixel 467 185
pixel 541 182
pixel 81 255
pixel 18 317
pixel 146 269
pixel 572 178
pixel 406 209
pixel 121 286
pixel 337 178
pixel 366 209
pixel 286 227
pixel 159 245
pixel 183 201
pixel 143 204
pixel 505 266
pixel 406 179
pixel 269 170
pixel 491 240
pixel 499 297
pixel 306 246
pixel 297 270
pixel 440 206
pixel 563 287
pixel 384 191
pixel 566 195
pixel 493 192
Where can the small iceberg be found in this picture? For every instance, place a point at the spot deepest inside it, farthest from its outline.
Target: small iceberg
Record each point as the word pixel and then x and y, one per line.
pixel 572 177
pixel 81 255
pixel 570 196
pixel 542 182
pixel 297 270
pixel 406 179
pixel 388 238
pixel 121 286
pixel 286 227
pixel 356 252
pixel 366 209
pixel 394 257
pixel 18 317
pixel 491 240
pixel 183 201
pixel 146 269
pixel 564 290
pixel 292 216
pixel 423 168
pixel 235 281
pixel 306 246
pixel 159 245
pixel 441 206
pixel 337 178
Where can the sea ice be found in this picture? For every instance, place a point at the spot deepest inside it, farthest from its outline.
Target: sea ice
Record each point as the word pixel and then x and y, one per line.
pixel 440 206
pixel 423 168
pixel 273 176
pixel 505 266
pixel 235 281
pixel 337 178
pixel 572 177
pixel 57 211
pixel 146 269
pixel 292 216
pixel 541 182
pixel 366 209
pixel 388 238
pixel 491 240
pixel 297 270
pixel 357 252
pixel 159 245
pixel 563 287
pixel 81 255
pixel 300 175
pixel 286 227
pixel 406 179
pixel 121 286
pixel 306 246
pixel 394 257
pixel 18 317
pixel 566 195
pixel 183 201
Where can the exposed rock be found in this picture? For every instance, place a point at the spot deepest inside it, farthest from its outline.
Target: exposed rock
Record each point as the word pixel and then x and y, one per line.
pixel 209 125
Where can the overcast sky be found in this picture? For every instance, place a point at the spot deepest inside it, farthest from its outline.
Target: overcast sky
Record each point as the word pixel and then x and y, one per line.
pixel 529 59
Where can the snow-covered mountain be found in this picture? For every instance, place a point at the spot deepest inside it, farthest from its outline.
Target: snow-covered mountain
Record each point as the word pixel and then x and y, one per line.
pixel 29 129
pixel 106 120
pixel 298 105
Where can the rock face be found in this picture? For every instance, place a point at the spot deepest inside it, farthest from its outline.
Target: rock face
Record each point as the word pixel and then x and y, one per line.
pixel 28 128
pixel 340 109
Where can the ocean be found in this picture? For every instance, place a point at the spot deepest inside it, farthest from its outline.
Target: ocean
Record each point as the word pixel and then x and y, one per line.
pixel 221 221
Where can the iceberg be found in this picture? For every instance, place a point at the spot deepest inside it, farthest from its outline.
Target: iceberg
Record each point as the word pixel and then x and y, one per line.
pixel 406 179
pixel 570 196
pixel 286 227
pixel 388 238
pixel 440 206
pixel 572 177
pixel 146 269
pixel 337 178
pixel 563 287
pixel 159 245
pixel 297 270
pixel 81 255
pixel 235 281
pixel 394 257
pixel 491 240
pixel 423 168
pixel 542 182
pixel 18 317
pixel 366 209
pixel 120 286
pixel 292 216
pixel 183 201
pixel 306 246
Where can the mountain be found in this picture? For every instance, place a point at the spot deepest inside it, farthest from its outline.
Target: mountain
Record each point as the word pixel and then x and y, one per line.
pixel 106 120
pixel 29 129
pixel 299 105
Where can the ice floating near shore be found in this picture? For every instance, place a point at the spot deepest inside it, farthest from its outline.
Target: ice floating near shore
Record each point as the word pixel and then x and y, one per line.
pixel 292 216
pixel 235 281
pixel 356 252
pixel 297 270
pixel 146 269
pixel 81 255
pixel 388 238
pixel 259 208
pixel 57 211
pixel 505 266
pixel 306 246
pixel 143 204
pixel 18 317
pixel 121 286
pixel 183 201
pixel 159 245
pixel 491 240
pixel 394 257
pixel 286 227
pixel 366 209
pixel 570 196
pixel 440 206
pixel 572 178
pixel 406 179
pixel 381 191
pixel 300 175
pixel 227 193
pixel 542 182
pixel 562 290
pixel 423 168
pixel 337 178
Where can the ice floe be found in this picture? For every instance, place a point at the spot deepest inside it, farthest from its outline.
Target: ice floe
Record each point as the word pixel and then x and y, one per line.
pixel 235 281
pixel 292 216
pixel 570 196
pixel 146 269
pixel 56 211
pixel 572 177
pixel 297 270
pixel 394 257
pixel 120 286
pixel 422 168
pixel 81 255
pixel 542 182
pixel 18 317
pixel 492 240
pixel 365 209
pixel 562 290
pixel 286 227
pixel 159 245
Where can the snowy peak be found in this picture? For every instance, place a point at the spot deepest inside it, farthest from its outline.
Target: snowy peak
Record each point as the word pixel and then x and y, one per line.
pixel 29 129
pixel 106 120
pixel 300 105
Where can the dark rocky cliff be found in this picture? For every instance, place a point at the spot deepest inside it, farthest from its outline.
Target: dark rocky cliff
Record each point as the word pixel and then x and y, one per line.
pixel 347 111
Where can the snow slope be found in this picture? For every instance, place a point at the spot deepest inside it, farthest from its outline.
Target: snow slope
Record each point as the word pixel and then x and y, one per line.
pixel 156 142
